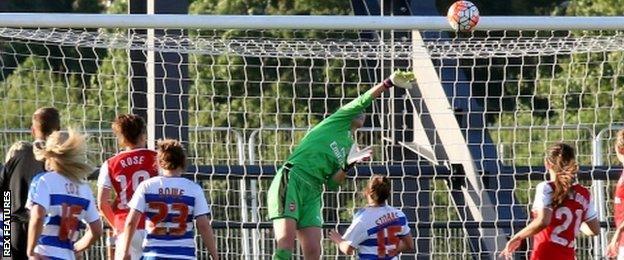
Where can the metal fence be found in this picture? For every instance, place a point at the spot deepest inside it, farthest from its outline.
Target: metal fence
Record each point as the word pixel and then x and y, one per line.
pixel 448 243
pixel 238 202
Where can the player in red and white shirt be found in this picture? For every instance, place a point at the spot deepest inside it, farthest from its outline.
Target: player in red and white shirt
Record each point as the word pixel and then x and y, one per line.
pixel 616 246
pixel 561 209
pixel 378 231
pixel 122 174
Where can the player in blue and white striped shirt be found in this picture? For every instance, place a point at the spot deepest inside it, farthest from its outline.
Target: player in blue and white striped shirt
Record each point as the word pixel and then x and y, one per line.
pixel 378 231
pixel 170 203
pixel 63 198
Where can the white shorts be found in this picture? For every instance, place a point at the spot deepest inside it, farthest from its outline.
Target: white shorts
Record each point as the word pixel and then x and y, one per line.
pixel 136 245
pixel 620 255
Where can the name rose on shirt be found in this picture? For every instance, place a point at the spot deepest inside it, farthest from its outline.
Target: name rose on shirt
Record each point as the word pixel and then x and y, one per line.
pixel 132 160
pixel 386 218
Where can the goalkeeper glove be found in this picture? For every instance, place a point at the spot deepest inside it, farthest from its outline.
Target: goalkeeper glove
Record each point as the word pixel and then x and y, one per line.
pixel 356 156
pixel 401 79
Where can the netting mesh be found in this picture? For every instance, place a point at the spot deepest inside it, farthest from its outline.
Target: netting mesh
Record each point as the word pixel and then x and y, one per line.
pixel 330 44
pixel 250 96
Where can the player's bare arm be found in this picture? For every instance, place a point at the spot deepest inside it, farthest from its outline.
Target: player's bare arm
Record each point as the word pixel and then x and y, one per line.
pixel 405 245
pixel 129 228
pixel 342 244
pixel 92 235
pixel 591 227
pixel 105 206
pixel 205 230
pixel 612 248
pixel 541 221
pixel 355 156
pixel 35 227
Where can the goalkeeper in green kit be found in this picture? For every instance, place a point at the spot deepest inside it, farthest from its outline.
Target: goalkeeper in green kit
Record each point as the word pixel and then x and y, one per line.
pixel 324 156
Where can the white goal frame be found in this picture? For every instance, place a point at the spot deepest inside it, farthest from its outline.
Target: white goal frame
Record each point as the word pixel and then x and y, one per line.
pixel 415 23
pixel 327 22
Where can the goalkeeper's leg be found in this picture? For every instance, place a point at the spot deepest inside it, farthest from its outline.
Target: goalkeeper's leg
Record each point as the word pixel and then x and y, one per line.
pixel 310 239
pixel 283 205
pixel 285 230
pixel 310 224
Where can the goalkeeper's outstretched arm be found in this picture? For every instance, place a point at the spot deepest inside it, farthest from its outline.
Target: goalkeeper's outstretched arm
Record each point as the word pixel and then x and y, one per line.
pixel 356 107
pixel 399 79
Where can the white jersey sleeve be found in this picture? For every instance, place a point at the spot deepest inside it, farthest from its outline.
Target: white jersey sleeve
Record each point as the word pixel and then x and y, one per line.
pixel 39 193
pixel 356 233
pixel 590 212
pixel 104 177
pixel 405 229
pixel 201 204
pixel 543 196
pixel 138 198
pixel 91 213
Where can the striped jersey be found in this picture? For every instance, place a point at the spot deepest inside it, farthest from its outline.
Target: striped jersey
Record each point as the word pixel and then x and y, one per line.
pixel 376 232
pixel 170 205
pixel 67 204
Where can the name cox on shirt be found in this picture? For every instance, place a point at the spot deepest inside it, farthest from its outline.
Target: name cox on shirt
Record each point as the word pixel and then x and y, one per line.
pixel 71 188
pixel 134 160
pixel 339 152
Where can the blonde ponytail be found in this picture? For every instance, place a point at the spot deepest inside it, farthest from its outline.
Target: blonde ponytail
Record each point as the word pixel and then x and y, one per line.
pixel 65 153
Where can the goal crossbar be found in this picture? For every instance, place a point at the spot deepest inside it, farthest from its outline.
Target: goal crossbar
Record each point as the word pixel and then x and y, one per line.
pixel 176 21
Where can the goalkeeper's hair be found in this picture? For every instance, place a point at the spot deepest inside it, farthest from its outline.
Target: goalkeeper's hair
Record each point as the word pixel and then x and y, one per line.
pixel 66 154
pixel 378 188
pixel 129 128
pixel 171 155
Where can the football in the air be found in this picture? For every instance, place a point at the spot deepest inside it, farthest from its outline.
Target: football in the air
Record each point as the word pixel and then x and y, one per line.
pixel 463 16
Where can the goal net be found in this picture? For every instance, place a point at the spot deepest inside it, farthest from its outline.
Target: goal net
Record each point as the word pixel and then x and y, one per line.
pixel 464 149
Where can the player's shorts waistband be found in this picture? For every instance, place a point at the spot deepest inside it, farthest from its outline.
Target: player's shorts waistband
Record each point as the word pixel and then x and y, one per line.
pixel 288 169
pixel 288 166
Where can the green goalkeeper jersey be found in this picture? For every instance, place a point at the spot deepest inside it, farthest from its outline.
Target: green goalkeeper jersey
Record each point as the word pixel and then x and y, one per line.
pixel 324 150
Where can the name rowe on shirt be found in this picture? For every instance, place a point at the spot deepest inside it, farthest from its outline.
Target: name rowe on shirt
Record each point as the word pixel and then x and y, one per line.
pixel 173 192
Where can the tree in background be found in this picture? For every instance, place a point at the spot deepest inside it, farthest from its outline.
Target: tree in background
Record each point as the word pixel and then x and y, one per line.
pixel 579 90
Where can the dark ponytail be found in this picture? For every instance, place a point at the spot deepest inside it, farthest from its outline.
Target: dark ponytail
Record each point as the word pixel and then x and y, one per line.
pixel 561 159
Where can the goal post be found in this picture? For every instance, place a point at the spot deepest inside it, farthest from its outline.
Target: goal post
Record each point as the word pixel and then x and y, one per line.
pixel 256 84
pixel 456 152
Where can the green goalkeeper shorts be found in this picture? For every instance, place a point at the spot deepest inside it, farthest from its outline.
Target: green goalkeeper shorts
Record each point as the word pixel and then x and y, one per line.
pixel 290 197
